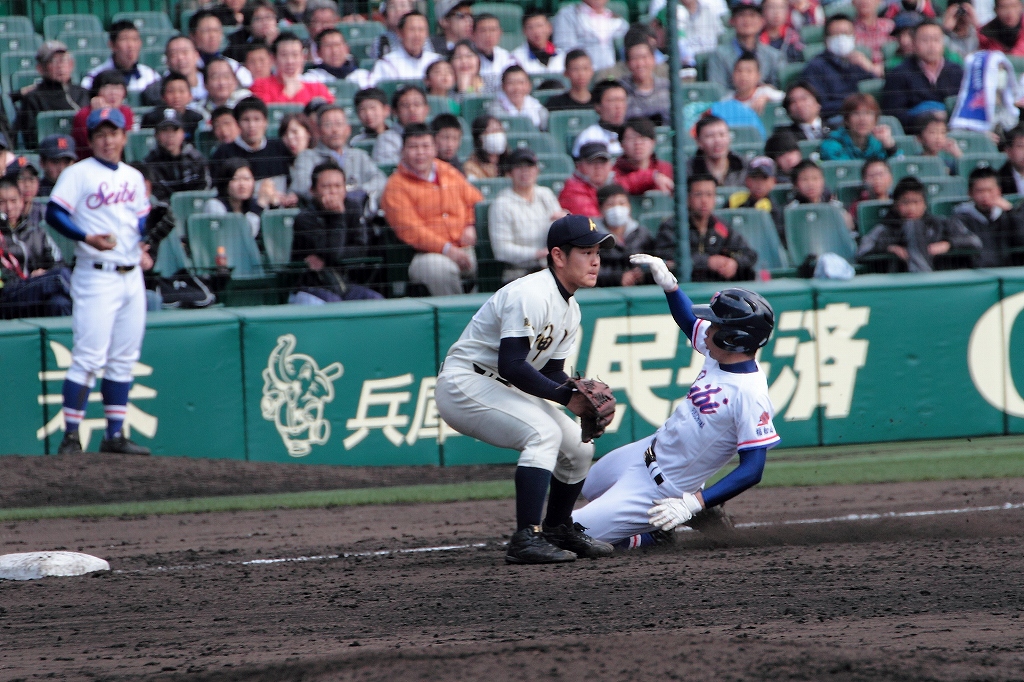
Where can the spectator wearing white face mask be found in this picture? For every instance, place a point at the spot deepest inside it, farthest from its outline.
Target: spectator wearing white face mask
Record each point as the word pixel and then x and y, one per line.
pixel 630 238
pixel 834 73
pixel 490 145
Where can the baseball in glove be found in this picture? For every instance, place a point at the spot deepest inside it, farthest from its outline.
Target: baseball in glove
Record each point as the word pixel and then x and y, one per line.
pixel 594 403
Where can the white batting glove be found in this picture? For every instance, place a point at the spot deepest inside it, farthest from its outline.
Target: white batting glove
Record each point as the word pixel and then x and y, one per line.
pixel 663 277
pixel 669 512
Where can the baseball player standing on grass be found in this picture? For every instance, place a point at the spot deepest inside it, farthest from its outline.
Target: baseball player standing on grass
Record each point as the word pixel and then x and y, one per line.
pixel 504 382
pixel 102 204
pixel 657 483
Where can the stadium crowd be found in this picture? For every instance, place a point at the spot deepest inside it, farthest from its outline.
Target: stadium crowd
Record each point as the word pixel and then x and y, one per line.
pixel 309 151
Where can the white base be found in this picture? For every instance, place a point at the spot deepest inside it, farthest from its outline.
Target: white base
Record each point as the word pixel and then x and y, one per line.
pixel 35 565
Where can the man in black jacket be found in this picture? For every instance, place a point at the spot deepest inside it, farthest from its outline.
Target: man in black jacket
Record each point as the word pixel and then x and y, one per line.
pixel 54 93
pixel 328 238
pixel 997 223
pixel 175 166
pixel 718 253
pixel 922 82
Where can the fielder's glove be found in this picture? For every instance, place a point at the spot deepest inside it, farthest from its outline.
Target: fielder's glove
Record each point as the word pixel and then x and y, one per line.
pixel 663 277
pixel 669 512
pixel 594 403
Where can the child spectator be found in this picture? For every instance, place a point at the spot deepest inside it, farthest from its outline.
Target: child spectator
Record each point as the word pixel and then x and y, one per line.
pixel 748 88
pixel 718 253
pixel 783 149
pixel 931 132
pixel 809 188
pixel 993 219
pixel 439 79
pixel 259 60
pixel 447 138
pixel 630 238
pixel 177 95
pixel 373 111
pixel 638 169
pixel 224 126
pixel 56 152
pixel 913 235
pixel 494 59
pixel 713 156
pixel 876 179
pixel 579 71
pixel 109 89
pixel 175 165
pixel 760 182
pixel 515 100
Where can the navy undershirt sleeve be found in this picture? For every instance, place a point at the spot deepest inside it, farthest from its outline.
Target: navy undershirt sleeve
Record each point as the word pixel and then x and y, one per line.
pixel 513 367
pixel 555 370
pixel 58 217
pixel 681 307
pixel 746 475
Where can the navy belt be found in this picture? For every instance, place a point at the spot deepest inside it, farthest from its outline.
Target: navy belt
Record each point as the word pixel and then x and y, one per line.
pixel 480 370
pixel 649 459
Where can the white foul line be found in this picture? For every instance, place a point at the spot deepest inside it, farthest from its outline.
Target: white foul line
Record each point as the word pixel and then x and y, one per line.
pixel 477 545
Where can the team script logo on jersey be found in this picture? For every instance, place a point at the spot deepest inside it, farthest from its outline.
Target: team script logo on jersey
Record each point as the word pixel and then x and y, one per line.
pixel 104 196
pixel 295 391
pixel 705 400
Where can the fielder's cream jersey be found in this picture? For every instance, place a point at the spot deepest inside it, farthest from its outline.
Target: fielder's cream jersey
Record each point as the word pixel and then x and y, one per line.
pixel 723 412
pixel 101 200
pixel 531 306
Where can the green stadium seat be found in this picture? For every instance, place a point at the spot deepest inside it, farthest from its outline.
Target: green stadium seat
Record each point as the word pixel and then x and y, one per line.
pixel 918 166
pixel 157 39
pixel 360 49
pixel 817 229
pixel 342 89
pixel 277 229
pixel 758 229
pixel 20 60
pixel 839 8
pixel 145 21
pixel 747 150
pixel 441 105
pixel 490 187
pixel 19 43
pixel 702 92
pixel 171 257
pixel 66 245
pixel 811 34
pixel 184 204
pixel 944 206
pixel 653 202
pixel 16 25
pixel 87 60
pixel 909 145
pixel 780 195
pixel 774 116
pixel 849 192
pixel 563 124
pixel 54 123
pixel 276 113
pixel 872 86
pixel 474 105
pixel 722 195
pixel 208 231
pixel 813 50
pixel 367 30
pixel 365 145
pixel 810 149
pixel 840 171
pixel 140 143
pixel 871 213
pixel 538 79
pixel 971 142
pixel 515 125
pixel 556 163
pixel 79 40
pixel 790 74
pixel 54 26
pixel 969 161
pixel 893 123
pixel 540 143
pixel 155 58
pixel 745 134
pixel 543 96
pixel 553 181
pixel 652 221
pixel 948 187
pixel 489 270
pixel 24 78
pixel 391 86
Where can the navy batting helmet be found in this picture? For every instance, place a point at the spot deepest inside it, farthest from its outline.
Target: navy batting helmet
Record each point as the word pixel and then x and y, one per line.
pixel 745 319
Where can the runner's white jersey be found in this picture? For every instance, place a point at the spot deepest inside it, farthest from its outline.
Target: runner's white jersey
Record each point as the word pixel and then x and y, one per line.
pixel 723 412
pixel 531 306
pixel 101 200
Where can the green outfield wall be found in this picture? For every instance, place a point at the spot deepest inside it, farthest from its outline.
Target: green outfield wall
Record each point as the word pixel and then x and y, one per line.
pixel 877 358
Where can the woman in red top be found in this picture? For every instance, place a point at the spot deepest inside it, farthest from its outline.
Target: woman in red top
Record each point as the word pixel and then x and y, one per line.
pixel 638 170
pixel 109 90
pixel 287 87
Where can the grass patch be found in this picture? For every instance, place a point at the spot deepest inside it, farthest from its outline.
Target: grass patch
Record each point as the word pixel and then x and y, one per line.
pixel 996 457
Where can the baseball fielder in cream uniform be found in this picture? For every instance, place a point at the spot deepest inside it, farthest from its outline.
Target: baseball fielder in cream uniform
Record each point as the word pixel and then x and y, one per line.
pixel 102 204
pixel 503 382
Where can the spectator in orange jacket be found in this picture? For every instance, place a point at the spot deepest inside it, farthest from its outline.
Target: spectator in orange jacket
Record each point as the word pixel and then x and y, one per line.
pixel 431 207
pixel 593 170
pixel 638 170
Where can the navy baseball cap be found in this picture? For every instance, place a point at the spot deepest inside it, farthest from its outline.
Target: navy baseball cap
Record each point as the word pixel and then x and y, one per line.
pixel 578 230
pixel 170 120
pixel 58 147
pixel 98 117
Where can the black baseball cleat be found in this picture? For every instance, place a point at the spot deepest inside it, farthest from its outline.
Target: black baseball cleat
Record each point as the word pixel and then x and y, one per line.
pixel 570 536
pixel 712 521
pixel 529 546
pixel 122 446
pixel 71 445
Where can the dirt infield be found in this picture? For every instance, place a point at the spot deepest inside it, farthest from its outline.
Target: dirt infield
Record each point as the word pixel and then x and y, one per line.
pixel 204 597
